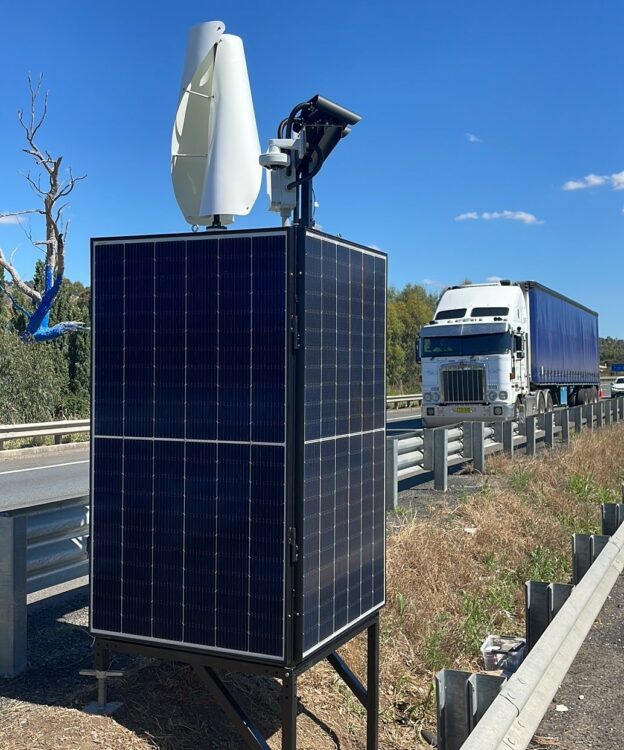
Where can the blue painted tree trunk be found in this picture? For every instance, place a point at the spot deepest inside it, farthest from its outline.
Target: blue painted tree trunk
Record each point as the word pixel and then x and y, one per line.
pixel 38 327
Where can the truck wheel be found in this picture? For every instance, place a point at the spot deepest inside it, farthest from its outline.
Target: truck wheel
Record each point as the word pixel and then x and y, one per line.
pixel 518 415
pixel 549 402
pixel 541 403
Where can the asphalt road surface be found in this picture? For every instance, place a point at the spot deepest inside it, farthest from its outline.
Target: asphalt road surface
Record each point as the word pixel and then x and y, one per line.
pixel 30 480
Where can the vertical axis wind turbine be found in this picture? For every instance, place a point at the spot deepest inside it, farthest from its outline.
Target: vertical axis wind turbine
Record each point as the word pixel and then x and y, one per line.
pixel 215 147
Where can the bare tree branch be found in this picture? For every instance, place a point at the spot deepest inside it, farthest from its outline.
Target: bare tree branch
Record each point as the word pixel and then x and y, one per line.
pixel 33 294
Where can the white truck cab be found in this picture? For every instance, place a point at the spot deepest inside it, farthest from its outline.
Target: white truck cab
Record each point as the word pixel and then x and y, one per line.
pixel 474 355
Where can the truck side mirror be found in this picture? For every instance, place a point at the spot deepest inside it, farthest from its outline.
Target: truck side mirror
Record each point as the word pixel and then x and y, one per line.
pixel 417 350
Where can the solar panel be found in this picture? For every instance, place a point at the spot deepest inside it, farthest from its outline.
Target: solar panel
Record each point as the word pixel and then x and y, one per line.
pixel 343 534
pixel 206 457
pixel 189 441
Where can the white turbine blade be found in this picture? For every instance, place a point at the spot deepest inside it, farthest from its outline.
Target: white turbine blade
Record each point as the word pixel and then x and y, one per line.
pixel 215 145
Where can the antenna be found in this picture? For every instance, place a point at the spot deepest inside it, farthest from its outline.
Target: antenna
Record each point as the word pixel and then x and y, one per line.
pixel 215 145
pixel 304 141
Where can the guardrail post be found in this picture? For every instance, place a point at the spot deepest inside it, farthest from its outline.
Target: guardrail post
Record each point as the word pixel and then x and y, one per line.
pixel 12 595
pixel 589 416
pixel 467 450
pixel 600 414
pixel 392 468
pixel 585 550
pixel 508 438
pixel 452 711
pixel 428 434
pixel 615 409
pixel 531 425
pixel 440 459
pixel 549 428
pixel 612 518
pixel 607 413
pixel 498 432
pixel 578 418
pixel 563 420
pixel 542 602
pixel 478 446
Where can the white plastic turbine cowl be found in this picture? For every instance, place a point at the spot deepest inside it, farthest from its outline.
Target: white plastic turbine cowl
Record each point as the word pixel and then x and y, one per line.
pixel 215 146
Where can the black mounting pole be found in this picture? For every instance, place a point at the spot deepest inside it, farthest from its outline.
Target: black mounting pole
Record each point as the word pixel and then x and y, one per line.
pixel 372 687
pixel 306 204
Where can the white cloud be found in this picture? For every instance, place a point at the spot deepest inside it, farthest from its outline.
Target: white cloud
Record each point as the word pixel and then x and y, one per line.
pixel 10 219
pixel 472 138
pixel 493 279
pixel 434 282
pixel 522 216
pixel 615 180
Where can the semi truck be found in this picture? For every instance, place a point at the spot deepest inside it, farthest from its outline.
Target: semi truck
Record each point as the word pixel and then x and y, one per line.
pixel 506 350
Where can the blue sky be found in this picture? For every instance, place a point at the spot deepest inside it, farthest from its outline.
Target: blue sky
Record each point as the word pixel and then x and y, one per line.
pixel 483 109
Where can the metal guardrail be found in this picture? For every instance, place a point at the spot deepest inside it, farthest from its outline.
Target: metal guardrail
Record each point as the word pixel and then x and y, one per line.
pixel 407 399
pixel 517 711
pixel 426 451
pixel 41 546
pixel 43 429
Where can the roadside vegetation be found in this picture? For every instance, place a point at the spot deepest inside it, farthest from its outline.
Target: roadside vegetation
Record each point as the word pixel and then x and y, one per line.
pixel 454 575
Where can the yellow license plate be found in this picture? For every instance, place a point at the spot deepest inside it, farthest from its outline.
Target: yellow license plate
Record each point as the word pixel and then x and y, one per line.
pixel 462 410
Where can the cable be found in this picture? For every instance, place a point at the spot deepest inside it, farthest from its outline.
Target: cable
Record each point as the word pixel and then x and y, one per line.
pixel 311 174
pixel 291 117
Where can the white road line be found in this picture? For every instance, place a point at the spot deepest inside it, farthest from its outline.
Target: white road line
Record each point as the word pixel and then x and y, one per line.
pixel 40 468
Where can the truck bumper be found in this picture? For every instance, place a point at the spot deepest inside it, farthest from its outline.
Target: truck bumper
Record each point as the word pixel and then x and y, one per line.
pixel 447 414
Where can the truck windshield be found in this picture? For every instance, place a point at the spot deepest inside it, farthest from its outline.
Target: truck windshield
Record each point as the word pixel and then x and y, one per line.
pixel 466 346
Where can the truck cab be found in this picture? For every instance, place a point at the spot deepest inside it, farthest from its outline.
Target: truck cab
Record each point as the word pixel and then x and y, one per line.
pixel 474 355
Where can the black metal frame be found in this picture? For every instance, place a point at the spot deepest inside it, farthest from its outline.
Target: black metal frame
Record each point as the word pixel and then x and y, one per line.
pixel 207 669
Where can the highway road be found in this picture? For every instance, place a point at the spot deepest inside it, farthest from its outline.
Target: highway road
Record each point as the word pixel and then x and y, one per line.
pixel 33 479
pixel 30 480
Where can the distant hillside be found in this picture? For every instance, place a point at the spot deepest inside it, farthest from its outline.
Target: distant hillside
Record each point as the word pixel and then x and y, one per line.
pixel 611 350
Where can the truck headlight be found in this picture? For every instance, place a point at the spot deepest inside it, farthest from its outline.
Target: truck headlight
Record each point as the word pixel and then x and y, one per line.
pixel 435 396
pixel 503 395
pixel 493 396
pixel 427 397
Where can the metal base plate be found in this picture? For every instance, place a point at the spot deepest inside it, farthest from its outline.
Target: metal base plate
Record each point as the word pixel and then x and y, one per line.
pixel 102 709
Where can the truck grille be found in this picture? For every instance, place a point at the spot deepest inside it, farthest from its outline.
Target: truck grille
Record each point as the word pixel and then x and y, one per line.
pixel 463 385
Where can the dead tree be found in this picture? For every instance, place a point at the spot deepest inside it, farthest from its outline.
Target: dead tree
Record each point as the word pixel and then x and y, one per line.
pixel 51 188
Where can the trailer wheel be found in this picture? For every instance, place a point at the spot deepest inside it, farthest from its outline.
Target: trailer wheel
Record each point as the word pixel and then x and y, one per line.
pixel 549 402
pixel 541 403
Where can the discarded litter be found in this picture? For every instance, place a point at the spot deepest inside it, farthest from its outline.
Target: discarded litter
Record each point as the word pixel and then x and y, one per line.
pixel 503 652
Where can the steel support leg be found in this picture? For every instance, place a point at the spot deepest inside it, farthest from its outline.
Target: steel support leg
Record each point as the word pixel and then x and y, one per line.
pixel 289 711
pixel 372 688
pixel 249 733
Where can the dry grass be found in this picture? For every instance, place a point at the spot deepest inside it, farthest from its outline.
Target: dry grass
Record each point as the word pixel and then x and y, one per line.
pixel 452 579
